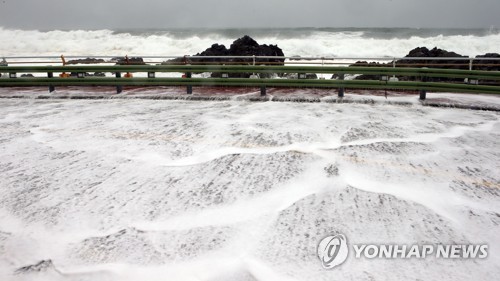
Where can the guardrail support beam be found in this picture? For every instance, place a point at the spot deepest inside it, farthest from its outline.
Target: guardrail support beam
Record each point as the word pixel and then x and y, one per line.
pixel 119 89
pixel 51 88
pixel 426 82
pixel 423 92
pixel 341 89
pixel 263 90
pixel 189 88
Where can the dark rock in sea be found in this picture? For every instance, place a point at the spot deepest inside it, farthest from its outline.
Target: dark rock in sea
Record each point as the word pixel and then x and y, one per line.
pixel 99 74
pixel 42 266
pixel 366 64
pixel 86 61
pixel 128 61
pixel 27 75
pixel 215 50
pixel 245 46
pixel 423 52
pixel 487 64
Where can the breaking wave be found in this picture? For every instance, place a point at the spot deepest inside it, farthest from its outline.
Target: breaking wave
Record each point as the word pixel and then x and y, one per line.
pixel 294 42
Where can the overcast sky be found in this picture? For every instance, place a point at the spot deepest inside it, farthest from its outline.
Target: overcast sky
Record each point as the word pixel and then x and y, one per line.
pixel 99 14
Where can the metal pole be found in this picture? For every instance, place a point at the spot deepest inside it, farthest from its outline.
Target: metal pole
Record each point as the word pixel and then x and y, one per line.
pixel 3 63
pixel 189 87
pixel 51 87
pixel 263 90
pixel 423 92
pixel 119 89
pixel 341 89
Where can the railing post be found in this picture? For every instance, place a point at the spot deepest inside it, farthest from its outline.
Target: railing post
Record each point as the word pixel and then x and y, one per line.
pixel 3 63
pixel 341 89
pixel 263 90
pixel 119 89
pixel 394 66
pixel 189 88
pixel 51 87
pixel 423 92
pixel 468 80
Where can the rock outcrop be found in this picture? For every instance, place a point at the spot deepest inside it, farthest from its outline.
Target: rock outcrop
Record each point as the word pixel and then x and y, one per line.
pixel 429 60
pixel 126 60
pixel 86 61
pixel 423 52
pixel 245 46
pixel 487 64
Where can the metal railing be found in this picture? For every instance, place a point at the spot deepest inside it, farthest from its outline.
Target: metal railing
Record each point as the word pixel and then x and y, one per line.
pixel 286 60
pixel 417 78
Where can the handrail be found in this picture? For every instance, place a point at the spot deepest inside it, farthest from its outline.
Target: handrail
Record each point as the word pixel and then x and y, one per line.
pixel 461 62
pixel 384 83
pixel 257 57
pixel 403 71
pixel 245 82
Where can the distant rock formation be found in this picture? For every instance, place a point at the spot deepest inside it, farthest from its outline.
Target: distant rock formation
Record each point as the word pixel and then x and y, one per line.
pixel 245 46
pixel 366 64
pixel 85 61
pixel 487 64
pixel 423 52
pixel 128 61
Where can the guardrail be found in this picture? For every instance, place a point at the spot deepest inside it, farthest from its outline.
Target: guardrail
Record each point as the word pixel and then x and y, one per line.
pixel 473 77
pixel 394 61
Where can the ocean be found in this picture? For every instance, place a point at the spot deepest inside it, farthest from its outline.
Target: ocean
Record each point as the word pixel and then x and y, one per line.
pixel 305 42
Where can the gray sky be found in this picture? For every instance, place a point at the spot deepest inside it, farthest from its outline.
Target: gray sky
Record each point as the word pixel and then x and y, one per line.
pixel 97 14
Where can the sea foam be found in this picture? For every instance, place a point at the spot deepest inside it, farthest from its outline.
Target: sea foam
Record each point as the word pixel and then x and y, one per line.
pixel 315 43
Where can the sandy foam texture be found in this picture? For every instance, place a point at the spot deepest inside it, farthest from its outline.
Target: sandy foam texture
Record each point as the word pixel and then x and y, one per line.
pixel 234 190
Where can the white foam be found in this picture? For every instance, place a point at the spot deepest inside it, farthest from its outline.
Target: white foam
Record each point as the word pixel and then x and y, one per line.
pixel 229 190
pixel 280 198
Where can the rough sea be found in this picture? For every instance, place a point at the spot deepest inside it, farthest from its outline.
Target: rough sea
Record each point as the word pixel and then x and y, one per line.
pixel 132 190
pixel 309 42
